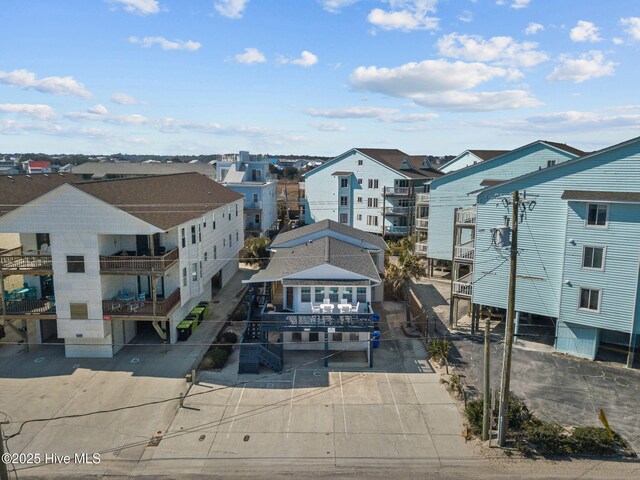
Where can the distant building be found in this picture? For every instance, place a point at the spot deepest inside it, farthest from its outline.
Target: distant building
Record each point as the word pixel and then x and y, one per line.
pixel 38 166
pixel 112 170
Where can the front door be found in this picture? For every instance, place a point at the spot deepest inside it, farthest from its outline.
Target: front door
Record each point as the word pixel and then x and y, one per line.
pixel 289 298
pixel 142 244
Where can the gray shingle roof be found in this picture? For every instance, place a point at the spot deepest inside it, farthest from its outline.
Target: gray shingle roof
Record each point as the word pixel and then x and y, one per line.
pixel 584 195
pixel 327 224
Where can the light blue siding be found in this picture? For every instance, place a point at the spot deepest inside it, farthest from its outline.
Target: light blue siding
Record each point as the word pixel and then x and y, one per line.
pixel 577 340
pixel 451 191
pixel 461 161
pixel 551 238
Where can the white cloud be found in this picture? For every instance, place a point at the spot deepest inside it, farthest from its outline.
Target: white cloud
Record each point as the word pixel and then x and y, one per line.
pixel 405 15
pixel 329 127
pixel 98 109
pixel 147 42
pixel 307 59
pixel 478 101
pixel 466 16
pixel 516 4
pixel 533 28
pixel 631 27
pixel 36 110
pixel 250 55
pixel 124 99
pixel 617 41
pixel 334 6
pixel 231 8
pixel 141 7
pixel 387 115
pixel 587 66
pixel 585 32
pixel 572 120
pixel 500 50
pixel 103 116
pixel 57 85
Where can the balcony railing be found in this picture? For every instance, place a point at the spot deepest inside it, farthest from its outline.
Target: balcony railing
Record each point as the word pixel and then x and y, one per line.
pixel 122 264
pixel 465 251
pixel 302 185
pixel 421 248
pixel 253 206
pixel 402 230
pixel 253 227
pixel 463 286
pixel 29 307
pixel 422 197
pixel 121 308
pixel 396 210
pixel 25 263
pixel 466 216
pixel 404 191
pixel 318 321
pixel 422 223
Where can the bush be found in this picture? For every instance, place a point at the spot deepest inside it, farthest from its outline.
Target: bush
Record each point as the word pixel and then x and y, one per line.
pixel 216 357
pixel 438 349
pixel 473 411
pixel 240 313
pixel 592 441
pixel 229 337
pixel 519 415
pixel 454 384
pixel 547 438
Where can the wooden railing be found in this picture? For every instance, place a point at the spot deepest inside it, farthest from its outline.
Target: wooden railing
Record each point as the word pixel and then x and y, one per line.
pixel 464 286
pixel 422 223
pixel 29 307
pixel 25 262
pixel 123 263
pixel 140 308
pixel 465 251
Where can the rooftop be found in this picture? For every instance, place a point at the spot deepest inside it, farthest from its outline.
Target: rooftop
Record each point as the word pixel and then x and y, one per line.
pixel 327 224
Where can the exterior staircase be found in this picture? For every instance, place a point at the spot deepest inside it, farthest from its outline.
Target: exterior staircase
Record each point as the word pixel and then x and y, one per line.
pixel 255 349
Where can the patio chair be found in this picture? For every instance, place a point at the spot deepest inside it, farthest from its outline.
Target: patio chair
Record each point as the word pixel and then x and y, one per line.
pixel 356 309
pixel 326 301
pixel 45 249
pixel 116 307
pixel 134 307
pixel 142 297
pixel 343 301
pixel 315 308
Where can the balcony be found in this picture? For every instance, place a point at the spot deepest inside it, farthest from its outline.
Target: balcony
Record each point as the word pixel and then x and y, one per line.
pixel 396 230
pixel 43 308
pixel 402 211
pixel 15 261
pixel 421 248
pixel 422 223
pixel 317 322
pixel 422 198
pixel 253 206
pixel 140 308
pixel 397 191
pixel 301 185
pixel 463 287
pixel 465 251
pixel 466 216
pixel 253 227
pixel 123 264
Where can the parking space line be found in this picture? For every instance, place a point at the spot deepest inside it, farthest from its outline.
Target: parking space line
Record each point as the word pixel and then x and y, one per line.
pixel 344 413
pixel 293 385
pixel 236 410
pixel 404 434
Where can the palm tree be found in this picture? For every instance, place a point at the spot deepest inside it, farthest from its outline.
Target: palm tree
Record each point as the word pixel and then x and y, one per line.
pixel 408 266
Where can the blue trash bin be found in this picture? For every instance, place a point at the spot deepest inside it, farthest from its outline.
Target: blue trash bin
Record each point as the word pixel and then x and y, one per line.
pixel 376 317
pixel 376 339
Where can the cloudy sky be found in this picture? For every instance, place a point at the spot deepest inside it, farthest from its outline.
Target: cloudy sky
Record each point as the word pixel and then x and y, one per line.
pixel 316 76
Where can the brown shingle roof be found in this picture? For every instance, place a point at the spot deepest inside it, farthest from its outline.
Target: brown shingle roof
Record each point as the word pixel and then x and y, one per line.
pixel 583 195
pixel 164 201
pixel 489 182
pixel 393 158
pixel 566 148
pixel 488 154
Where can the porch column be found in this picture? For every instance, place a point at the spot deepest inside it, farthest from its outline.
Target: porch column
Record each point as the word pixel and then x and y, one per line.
pixel 154 291
pixel 370 350
pixel 326 349
pixel 632 347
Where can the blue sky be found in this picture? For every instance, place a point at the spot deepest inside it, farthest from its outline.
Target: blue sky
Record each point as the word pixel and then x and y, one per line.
pixel 316 76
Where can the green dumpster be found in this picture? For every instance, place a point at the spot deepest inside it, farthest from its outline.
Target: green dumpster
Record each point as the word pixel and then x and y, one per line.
pixel 198 312
pixel 184 330
pixel 194 321
pixel 206 309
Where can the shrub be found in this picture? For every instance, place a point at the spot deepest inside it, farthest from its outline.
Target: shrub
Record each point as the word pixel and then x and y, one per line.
pixel 455 385
pixel 229 337
pixel 473 411
pixel 519 415
pixel 592 441
pixel 216 357
pixel 240 313
pixel 439 349
pixel 547 438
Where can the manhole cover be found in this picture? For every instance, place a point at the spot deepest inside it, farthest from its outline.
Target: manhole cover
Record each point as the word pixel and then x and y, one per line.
pixel 246 438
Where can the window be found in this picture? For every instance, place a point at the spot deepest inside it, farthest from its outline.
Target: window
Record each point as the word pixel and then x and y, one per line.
pixel 359 199
pixel 213 222
pixel 230 240
pixel 550 163
pixel 75 264
pixel 237 236
pixel 344 218
pixel 597 215
pixel 199 233
pixel 193 234
pixel 354 337
pixel 313 336
pixel 200 268
pixel 590 299
pixel 256 218
pixel 359 216
pixel 344 183
pixel 236 209
pixel 373 183
pixel 255 198
pixel 319 294
pixel 347 293
pixel 184 277
pixel 333 294
pixel 359 181
pixel 184 237
pixel 194 272
pixel 206 255
pixel 593 257
pixel 361 294
pixel 224 242
pixel 78 311
pixel 305 294
pixel 215 252
pixel 337 337
pixel 360 162
pixel 372 202
pixel 296 336
pixel 204 222
pixel 372 220
pixel 344 201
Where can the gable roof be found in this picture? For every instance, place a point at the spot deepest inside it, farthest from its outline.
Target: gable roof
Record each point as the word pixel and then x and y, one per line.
pixel 327 224
pixel 394 158
pixel 583 196
pixel 324 251
pixel 565 147
pixel 486 154
pixel 164 200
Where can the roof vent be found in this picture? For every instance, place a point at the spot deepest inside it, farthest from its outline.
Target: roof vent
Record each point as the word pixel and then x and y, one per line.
pixel 46 175
pixel 11 178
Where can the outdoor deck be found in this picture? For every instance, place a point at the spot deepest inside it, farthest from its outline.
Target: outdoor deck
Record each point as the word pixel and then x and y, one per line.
pixel 140 309
pixel 121 264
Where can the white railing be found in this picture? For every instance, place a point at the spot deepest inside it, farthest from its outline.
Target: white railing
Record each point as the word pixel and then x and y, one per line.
pixel 302 185
pixel 422 197
pixel 421 247
pixel 465 251
pixel 396 190
pixel 396 210
pixel 422 223
pixel 466 215
pixel 463 286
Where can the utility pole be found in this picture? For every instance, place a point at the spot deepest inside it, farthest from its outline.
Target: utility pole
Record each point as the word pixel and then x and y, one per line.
pixel 4 473
pixel 503 412
pixel 487 384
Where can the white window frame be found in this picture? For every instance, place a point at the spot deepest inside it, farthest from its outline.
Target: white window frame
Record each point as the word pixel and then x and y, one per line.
pixel 346 201
pixel 194 272
pixel 550 163
pixel 372 202
pixel 360 161
pixel 586 216
pixel 604 255
pixel 346 216
pixel 344 183
pixel 359 199
pixel 359 217
pixel 582 309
